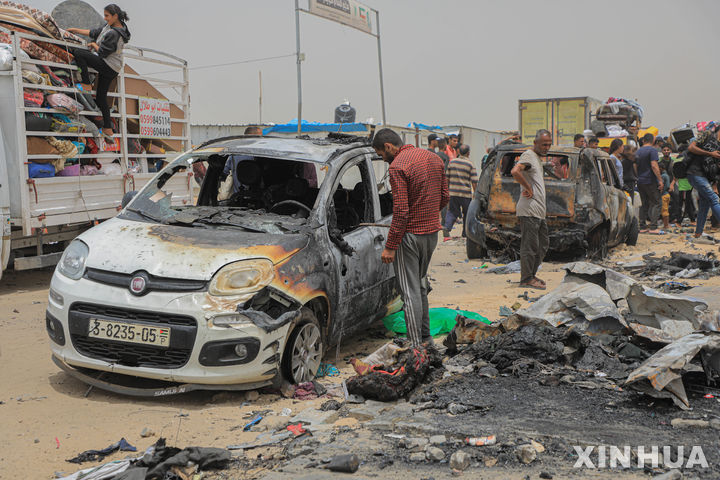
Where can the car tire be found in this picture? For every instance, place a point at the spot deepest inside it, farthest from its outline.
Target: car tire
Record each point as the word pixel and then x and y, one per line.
pixel 475 250
pixel 303 350
pixel 598 243
pixel 633 233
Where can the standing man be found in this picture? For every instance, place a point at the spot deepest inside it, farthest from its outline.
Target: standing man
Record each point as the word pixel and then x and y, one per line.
pixel 442 145
pixel 650 184
pixel 462 182
pixel 452 145
pixel 593 142
pixel 666 163
pixel 616 151
pixel 702 172
pixel 579 141
pixel 420 191
pixel 433 142
pixel 686 204
pixel 528 172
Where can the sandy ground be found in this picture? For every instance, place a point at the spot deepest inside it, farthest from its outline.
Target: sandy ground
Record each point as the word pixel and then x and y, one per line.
pixel 45 417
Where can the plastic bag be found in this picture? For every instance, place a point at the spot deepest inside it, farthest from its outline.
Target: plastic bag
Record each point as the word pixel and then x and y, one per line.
pixel 442 320
pixel 6 59
pixel 40 170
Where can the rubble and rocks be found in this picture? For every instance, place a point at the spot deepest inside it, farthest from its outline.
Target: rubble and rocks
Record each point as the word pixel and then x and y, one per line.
pixel 526 453
pixel 678 265
pixel 460 460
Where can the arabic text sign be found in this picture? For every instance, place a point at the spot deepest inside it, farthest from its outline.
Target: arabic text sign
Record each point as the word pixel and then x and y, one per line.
pixel 154 117
pixel 348 12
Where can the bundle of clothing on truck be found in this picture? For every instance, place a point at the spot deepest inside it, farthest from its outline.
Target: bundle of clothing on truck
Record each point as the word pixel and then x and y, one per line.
pixel 76 112
pixel 616 117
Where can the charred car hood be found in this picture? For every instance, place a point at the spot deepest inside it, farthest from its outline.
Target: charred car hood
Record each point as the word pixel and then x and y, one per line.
pixel 127 246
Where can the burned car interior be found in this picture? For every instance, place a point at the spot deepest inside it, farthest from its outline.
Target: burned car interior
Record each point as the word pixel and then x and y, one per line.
pixel 555 167
pixel 270 195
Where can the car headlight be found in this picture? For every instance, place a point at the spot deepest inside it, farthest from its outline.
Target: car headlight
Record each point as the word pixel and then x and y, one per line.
pixel 242 277
pixel 72 262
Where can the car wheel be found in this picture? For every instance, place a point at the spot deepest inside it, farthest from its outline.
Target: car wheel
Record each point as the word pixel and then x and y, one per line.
pixel 633 233
pixel 304 349
pixel 598 243
pixel 475 250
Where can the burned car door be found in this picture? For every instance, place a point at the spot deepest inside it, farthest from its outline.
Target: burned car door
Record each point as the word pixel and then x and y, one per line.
pixel 591 189
pixel 356 260
pixel 618 205
pixel 390 301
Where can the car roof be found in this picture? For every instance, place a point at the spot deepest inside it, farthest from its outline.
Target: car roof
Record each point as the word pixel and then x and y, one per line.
pixel 317 150
pixel 555 149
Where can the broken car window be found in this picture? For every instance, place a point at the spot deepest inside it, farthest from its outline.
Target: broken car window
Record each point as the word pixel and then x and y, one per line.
pixel 237 191
pixel 555 167
pixel 351 202
pixel 382 177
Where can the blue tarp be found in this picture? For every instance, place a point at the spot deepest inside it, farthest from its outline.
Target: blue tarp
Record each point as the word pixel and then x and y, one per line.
pixel 291 127
pixel 421 126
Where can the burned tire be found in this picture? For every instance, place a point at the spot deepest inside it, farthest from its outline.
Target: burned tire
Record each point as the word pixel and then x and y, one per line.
pixel 598 243
pixel 303 350
pixel 633 233
pixel 475 250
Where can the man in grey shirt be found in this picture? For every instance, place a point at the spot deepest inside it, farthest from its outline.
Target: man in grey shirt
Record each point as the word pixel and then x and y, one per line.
pixel 530 209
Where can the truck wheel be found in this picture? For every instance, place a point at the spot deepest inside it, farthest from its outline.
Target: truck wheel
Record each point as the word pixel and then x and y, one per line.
pixel 598 243
pixel 633 233
pixel 304 349
pixel 475 250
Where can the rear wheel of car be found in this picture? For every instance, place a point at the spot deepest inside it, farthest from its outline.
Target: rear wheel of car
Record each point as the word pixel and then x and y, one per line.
pixel 304 349
pixel 475 250
pixel 633 233
pixel 598 243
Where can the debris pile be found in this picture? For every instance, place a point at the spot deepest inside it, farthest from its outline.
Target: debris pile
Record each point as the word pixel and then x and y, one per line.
pixel 159 462
pixel 392 372
pixel 602 324
pixel 677 265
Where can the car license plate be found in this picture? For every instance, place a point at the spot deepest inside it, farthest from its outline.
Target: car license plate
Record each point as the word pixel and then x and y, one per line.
pixel 129 332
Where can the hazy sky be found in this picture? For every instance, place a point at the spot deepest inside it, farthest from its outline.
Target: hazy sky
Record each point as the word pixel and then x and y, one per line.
pixel 445 62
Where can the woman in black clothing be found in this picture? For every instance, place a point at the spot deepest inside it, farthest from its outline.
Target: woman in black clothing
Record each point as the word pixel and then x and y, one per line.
pixel 105 56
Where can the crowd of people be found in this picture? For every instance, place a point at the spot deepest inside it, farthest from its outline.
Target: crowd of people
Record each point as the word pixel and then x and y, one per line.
pixel 442 178
pixel 651 168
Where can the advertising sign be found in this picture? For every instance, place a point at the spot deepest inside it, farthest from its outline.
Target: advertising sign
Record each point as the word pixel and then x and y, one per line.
pixel 348 12
pixel 154 117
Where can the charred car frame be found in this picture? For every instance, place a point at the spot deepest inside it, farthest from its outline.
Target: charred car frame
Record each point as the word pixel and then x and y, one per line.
pixel 230 293
pixel 587 211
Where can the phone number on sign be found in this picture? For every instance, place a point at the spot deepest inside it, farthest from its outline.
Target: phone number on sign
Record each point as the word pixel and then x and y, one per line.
pixel 155 131
pixel 153 120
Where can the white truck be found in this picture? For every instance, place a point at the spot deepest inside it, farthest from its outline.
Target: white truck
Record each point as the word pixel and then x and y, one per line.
pixel 40 216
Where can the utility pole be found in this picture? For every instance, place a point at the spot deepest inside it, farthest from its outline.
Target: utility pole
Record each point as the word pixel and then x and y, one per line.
pixel 382 86
pixel 299 59
pixel 260 98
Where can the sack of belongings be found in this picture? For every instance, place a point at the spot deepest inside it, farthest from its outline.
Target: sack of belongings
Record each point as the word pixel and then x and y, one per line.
pixel 392 372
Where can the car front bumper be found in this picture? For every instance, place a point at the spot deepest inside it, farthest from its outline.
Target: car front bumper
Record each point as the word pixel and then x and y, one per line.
pixel 200 353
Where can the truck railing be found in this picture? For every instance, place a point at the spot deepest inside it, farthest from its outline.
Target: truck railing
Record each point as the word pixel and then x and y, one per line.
pixel 132 164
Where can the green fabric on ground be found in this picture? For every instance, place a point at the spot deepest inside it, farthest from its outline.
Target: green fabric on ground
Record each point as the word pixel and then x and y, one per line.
pixel 442 320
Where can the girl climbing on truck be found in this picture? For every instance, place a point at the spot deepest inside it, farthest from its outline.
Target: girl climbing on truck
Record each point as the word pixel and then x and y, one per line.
pixel 105 56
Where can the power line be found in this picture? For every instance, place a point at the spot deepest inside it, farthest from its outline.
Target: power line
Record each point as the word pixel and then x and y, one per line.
pixel 217 65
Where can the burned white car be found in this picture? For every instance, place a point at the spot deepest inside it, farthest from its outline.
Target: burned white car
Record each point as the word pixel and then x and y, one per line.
pixel 230 293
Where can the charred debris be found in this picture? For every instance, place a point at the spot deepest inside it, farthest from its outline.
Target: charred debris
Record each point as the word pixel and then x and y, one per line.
pixel 599 329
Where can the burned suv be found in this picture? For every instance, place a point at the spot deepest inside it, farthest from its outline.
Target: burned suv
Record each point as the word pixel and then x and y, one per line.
pixel 237 285
pixel 587 211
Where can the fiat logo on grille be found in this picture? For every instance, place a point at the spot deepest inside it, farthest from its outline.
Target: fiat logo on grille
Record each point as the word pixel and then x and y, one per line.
pixel 138 284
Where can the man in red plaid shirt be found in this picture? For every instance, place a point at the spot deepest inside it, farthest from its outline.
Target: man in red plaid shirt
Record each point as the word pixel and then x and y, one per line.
pixel 420 191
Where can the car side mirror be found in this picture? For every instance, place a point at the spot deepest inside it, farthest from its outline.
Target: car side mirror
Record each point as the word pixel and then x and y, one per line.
pixel 127 198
